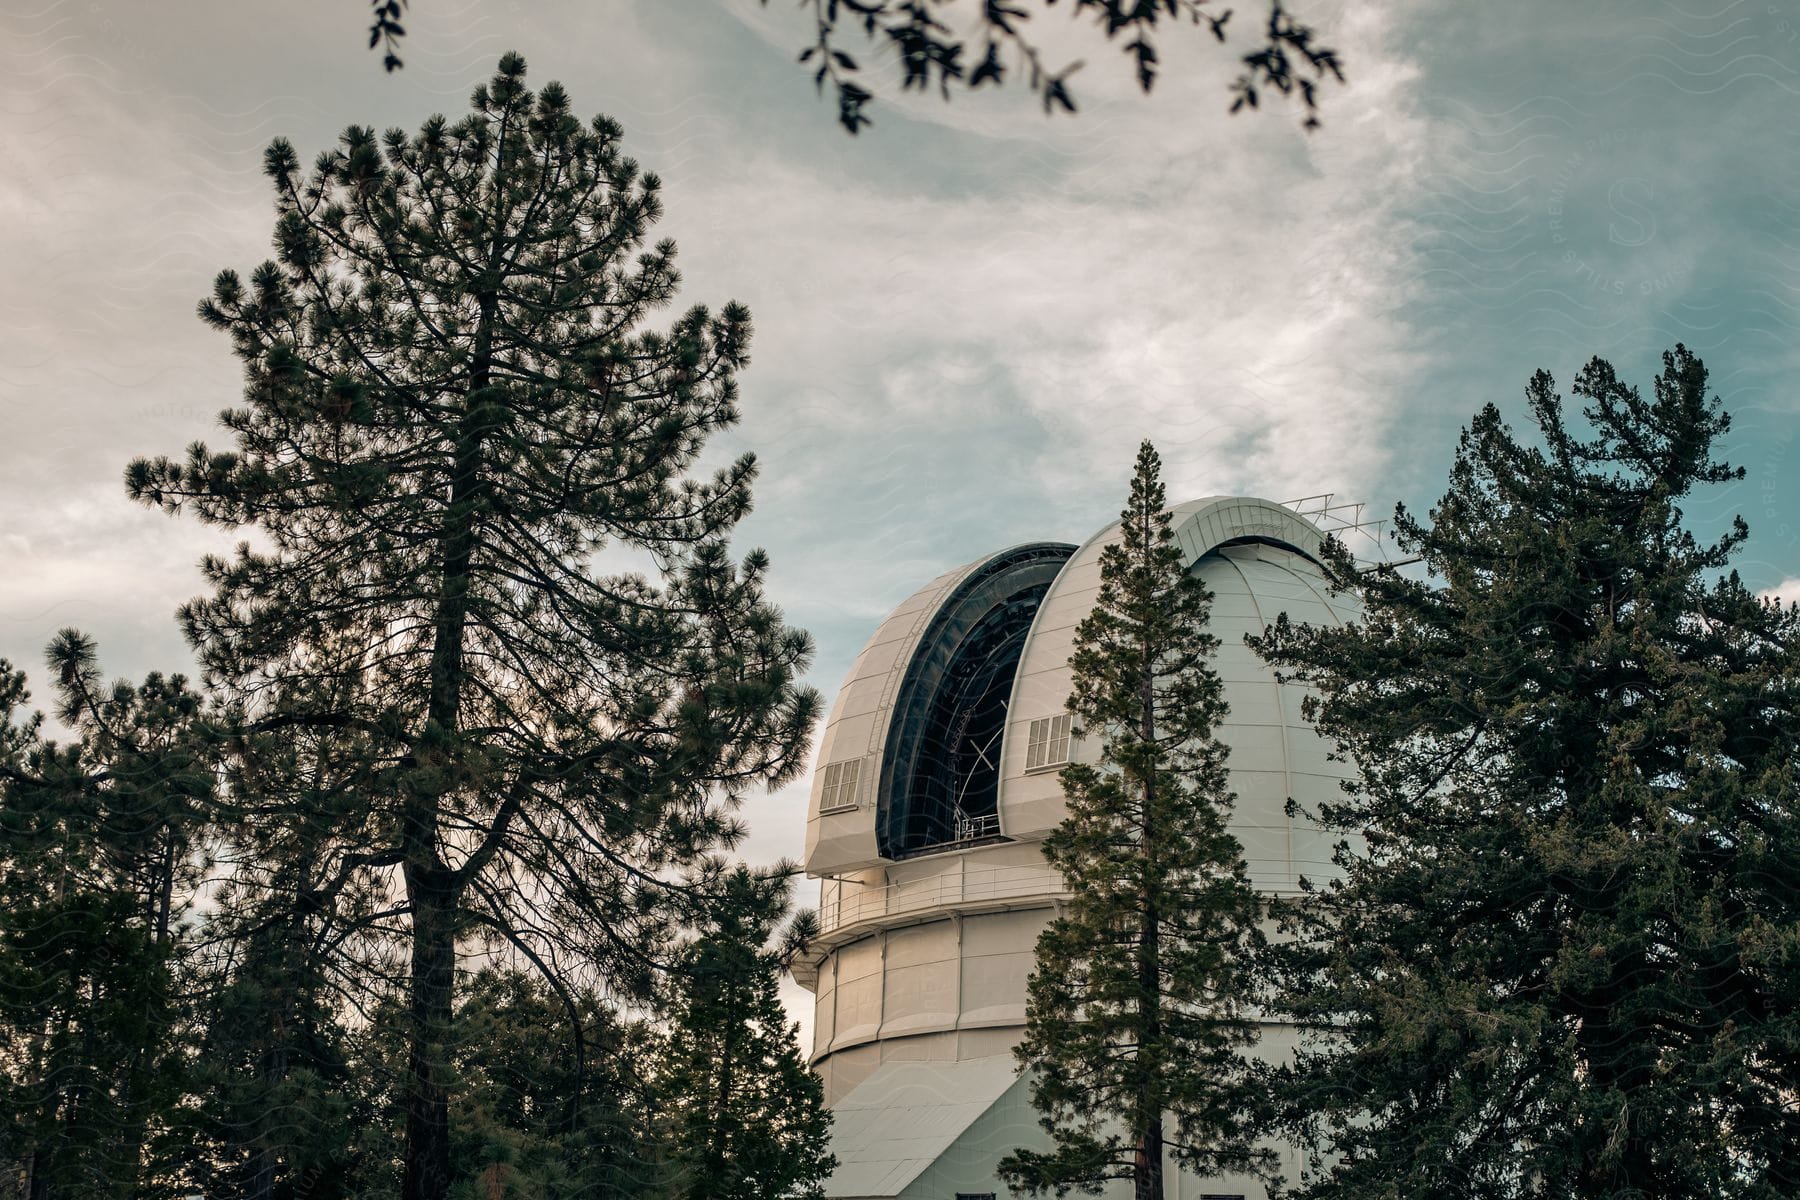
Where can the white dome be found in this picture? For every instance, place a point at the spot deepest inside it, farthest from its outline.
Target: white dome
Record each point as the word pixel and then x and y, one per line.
pixel 1258 560
pixel 929 800
pixel 862 747
pixel 1256 557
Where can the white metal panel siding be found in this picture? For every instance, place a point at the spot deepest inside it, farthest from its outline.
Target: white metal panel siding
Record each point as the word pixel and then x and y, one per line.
pixel 1275 752
pixel 858 992
pixel 921 979
pixel 857 728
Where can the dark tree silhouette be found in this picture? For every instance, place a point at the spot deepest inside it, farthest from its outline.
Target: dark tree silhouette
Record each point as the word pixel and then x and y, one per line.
pixel 1286 58
pixel 452 407
pixel 747 1117
pixel 1137 1014
pixel 1562 960
pixel 98 870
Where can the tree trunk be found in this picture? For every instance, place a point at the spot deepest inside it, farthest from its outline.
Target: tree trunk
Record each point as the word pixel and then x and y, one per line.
pixel 718 1160
pixel 265 1163
pixel 1147 1170
pixel 133 1103
pixel 429 1011
pixel 38 1161
pixel 1615 1058
pixel 37 1180
pixel 433 890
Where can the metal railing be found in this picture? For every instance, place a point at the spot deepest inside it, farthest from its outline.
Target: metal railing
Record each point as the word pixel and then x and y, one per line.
pixel 851 904
pixel 969 829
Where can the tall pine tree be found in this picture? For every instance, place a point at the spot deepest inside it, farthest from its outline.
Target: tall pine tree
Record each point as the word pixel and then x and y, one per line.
pixel 1564 956
pixel 452 408
pixel 1137 1013
pixel 296 955
pixel 747 1118
pixel 99 868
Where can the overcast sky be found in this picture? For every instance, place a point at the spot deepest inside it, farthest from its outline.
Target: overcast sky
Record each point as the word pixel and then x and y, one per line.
pixel 968 316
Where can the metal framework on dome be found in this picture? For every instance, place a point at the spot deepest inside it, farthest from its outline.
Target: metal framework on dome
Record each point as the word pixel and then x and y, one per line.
pixel 1346 521
pixel 940 775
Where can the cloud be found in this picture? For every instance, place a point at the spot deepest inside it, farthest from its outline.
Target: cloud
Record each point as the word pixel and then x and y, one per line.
pixel 1787 591
pixel 966 318
pixel 1226 286
pixel 969 315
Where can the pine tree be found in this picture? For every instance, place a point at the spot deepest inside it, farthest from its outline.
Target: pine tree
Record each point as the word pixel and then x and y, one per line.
pixel 543 1112
pixel 98 869
pixel 293 950
pixel 748 1119
pixel 1564 956
pixel 275 1105
pixel 451 409
pixel 1137 1012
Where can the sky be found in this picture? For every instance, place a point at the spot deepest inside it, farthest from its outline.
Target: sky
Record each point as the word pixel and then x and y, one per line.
pixel 968 315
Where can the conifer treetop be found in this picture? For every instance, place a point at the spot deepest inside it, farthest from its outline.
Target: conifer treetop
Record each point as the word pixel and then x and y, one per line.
pixel 1138 1011
pixel 1560 961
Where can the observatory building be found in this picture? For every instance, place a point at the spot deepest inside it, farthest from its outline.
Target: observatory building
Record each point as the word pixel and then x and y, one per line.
pixel 936 781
